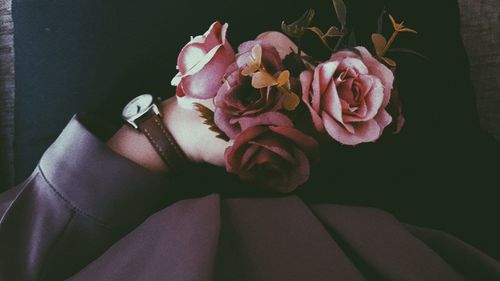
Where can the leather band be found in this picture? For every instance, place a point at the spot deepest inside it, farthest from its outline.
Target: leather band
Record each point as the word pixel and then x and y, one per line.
pixel 164 143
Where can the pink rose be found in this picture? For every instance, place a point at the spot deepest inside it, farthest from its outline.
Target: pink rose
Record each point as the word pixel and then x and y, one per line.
pixel 237 98
pixel 395 108
pixel 272 153
pixel 279 41
pixel 347 96
pixel 203 62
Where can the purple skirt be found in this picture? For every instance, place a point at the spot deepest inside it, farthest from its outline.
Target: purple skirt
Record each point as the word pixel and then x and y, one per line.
pixel 285 239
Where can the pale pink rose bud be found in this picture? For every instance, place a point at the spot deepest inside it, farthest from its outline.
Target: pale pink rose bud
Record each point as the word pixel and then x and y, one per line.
pixel 203 62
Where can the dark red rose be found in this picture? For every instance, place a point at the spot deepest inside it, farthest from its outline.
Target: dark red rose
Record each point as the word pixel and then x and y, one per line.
pixel 271 153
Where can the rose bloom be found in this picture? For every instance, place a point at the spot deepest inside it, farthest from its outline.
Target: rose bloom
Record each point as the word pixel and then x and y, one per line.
pixel 271 153
pixel 279 41
pixel 347 96
pixel 237 98
pixel 202 63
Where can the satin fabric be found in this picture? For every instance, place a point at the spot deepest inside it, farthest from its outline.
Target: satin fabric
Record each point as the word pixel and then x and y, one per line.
pixel 87 213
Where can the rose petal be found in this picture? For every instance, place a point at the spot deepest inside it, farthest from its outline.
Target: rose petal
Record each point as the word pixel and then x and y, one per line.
pixel 248 158
pixel 372 101
pixel 267 118
pixel 323 75
pixel 270 58
pixel 383 119
pixel 205 84
pixel 176 80
pixel 379 70
pixel 345 91
pixel 374 98
pixel 368 131
pixel 192 55
pixel 268 157
pixel 306 143
pixel 295 177
pixel 339 56
pixel 199 46
pixel 276 146
pixel 306 78
pixel 300 175
pixel 179 91
pixel 223 122
pixel 202 63
pixel 354 64
pixel 233 154
pixel 331 102
pixel 280 41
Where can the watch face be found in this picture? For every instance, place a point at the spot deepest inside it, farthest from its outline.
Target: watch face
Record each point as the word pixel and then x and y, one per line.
pixel 137 106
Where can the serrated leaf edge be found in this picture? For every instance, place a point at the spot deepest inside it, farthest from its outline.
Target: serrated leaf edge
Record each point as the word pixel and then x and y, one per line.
pixel 208 119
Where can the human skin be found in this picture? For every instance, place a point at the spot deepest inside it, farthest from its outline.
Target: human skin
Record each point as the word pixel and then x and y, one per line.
pixel 187 128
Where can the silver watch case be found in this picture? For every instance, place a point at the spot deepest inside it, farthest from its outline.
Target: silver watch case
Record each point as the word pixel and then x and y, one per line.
pixel 145 108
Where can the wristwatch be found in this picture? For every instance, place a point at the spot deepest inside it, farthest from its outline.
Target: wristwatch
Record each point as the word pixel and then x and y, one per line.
pixel 143 114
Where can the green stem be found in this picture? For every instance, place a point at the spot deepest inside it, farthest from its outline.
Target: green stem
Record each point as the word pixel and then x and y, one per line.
pixel 337 46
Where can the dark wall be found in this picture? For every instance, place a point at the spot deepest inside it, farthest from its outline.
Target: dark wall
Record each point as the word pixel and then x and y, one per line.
pixel 73 56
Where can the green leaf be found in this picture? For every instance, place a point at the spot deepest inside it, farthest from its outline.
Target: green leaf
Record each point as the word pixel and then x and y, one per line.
pixel 351 41
pixel 321 36
pixel 407 51
pixel 297 28
pixel 380 21
pixel 208 118
pixel 334 32
pixel 317 31
pixel 389 61
pixel 341 11
pixel 291 101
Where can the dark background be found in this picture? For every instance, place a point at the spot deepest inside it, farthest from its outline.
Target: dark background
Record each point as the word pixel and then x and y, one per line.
pixel 93 56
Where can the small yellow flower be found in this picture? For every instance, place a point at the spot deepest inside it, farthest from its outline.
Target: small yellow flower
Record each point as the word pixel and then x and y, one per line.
pixel 399 27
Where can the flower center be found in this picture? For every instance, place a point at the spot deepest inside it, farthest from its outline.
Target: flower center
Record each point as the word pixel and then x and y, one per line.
pixel 348 88
pixel 247 94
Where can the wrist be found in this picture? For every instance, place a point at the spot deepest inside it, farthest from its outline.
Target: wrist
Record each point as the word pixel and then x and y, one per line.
pixel 137 147
pixel 193 137
pixel 178 121
pixel 134 146
pixel 191 133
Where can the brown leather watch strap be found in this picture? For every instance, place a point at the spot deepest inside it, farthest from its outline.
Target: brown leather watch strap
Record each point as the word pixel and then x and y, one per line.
pixel 164 143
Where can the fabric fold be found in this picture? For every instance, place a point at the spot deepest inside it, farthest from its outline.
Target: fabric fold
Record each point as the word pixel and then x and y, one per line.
pixel 382 245
pixel 99 183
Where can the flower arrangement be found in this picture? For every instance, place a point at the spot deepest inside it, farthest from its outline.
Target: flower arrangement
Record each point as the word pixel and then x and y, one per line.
pixel 273 102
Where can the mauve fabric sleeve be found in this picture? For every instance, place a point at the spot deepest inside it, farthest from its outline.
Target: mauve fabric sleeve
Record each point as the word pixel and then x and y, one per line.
pixel 81 198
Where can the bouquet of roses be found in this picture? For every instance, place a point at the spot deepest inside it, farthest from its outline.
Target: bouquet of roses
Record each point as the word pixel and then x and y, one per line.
pixel 273 102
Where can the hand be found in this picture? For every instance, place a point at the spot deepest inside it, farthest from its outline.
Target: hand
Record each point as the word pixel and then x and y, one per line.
pixel 186 126
pixel 196 140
